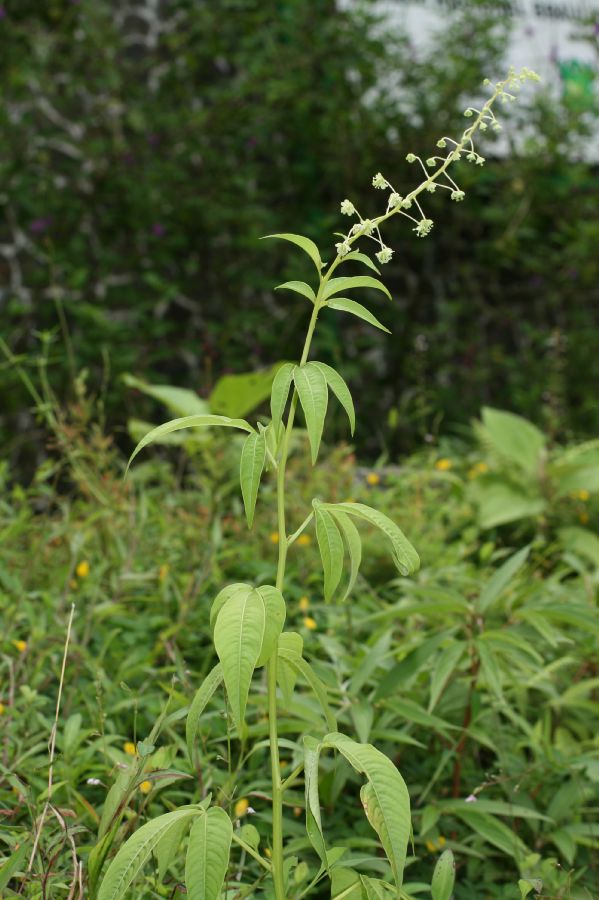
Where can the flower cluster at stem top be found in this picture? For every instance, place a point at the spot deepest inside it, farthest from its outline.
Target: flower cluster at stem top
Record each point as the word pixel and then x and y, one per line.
pixel 439 178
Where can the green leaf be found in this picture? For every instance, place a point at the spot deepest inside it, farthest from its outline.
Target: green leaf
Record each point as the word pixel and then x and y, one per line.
pixel 179 401
pixel 495 832
pixel 375 888
pixel 336 285
pixel 188 422
pixel 500 502
pixel 300 287
pixel 274 611
pixel 166 850
pixel 14 863
pixel 490 669
pixel 384 797
pixel 445 665
pixel 305 243
pixel 356 309
pixel 313 394
pixel 353 542
pixel 443 877
pixel 305 670
pixel 202 697
pixel 514 438
pixel 280 392
pixel 331 550
pixel 207 857
pixel 222 597
pixel 238 395
pixel 346 884
pixel 340 390
pixel 133 855
pixel 253 457
pixel 361 257
pixel 500 579
pixel 403 554
pixel 286 674
pixel 238 635
pixel 313 819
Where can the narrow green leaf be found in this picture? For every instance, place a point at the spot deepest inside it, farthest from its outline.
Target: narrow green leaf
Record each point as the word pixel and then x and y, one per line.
pixel 340 390
pixel 307 245
pixel 313 394
pixel 280 392
pixel 14 863
pixel 305 670
pixel 166 850
pixel 133 855
pixel 221 598
pixel 443 877
pixel 496 833
pixel 331 550
pixel 207 857
pixel 353 542
pixel 238 635
pixel 188 422
pixel 179 401
pixel 361 257
pixel 375 888
pixel 403 554
pixel 501 578
pixel 446 663
pixel 490 669
pixel 384 797
pixel 313 817
pixel 274 612
pixel 253 457
pixel 202 697
pixel 286 674
pixel 356 309
pixel 300 287
pixel 349 283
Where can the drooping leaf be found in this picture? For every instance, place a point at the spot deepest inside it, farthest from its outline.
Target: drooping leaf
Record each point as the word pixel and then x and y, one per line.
pixel 375 888
pixel 403 554
pixel 135 852
pixel 280 392
pixel 313 395
pixel 340 390
pixel 313 818
pixel 353 542
pixel 443 877
pixel 188 422
pixel 202 697
pixel 490 668
pixel 360 257
pixel 349 283
pixel 287 675
pixel 384 797
pixel 307 245
pixel 304 669
pixel 445 665
pixel 300 287
pixel 167 848
pixel 346 884
pixel 179 401
pixel 501 578
pixel 495 832
pixel 253 457
pixel 238 395
pixel 356 309
pixel 207 857
pixel 330 544
pixel 274 612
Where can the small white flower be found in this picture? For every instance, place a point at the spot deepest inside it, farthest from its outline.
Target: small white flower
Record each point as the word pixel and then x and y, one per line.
pixel 468 113
pixel 343 248
pixel 94 781
pixel 424 227
pixel 411 157
pixel 480 160
pixel 394 200
pixel 457 195
pixel 379 181
pixel 431 188
pixel 367 226
pixel 431 162
pixel 347 208
pixel 406 203
pixel 384 255
pixel 441 143
pixel 470 799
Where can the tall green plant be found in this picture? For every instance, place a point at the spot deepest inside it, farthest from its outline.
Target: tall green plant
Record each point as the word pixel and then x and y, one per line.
pixel 247 621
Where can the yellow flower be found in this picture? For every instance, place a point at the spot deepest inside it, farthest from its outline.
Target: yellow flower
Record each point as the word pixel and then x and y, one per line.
pixel 129 748
pixel 372 478
pixel 310 623
pixel 584 518
pixel 274 537
pixel 304 540
pixel 2 708
pixel 479 469
pixel 430 846
pixel 442 465
pixel 433 846
pixel 145 787
pixel 583 495
pixel 441 842
pixel 163 571
pixel 267 852
pixel 82 569
pixel 304 604
pixel 20 645
pixel 241 807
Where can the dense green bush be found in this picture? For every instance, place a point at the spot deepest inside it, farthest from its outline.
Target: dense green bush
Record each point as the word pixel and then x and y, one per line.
pixel 142 157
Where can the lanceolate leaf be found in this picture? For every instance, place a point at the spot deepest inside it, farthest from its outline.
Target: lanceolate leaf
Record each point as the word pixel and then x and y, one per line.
pixel 287 675
pixel 384 797
pixel 188 422
pixel 336 285
pixel 361 257
pixel 354 547
pixel 356 309
pixel 305 670
pixel 313 395
pixel 331 550
pixel 253 457
pixel 132 856
pixel 445 665
pixel 207 858
pixel 340 390
pixel 443 877
pixel 305 243
pixel 222 597
pixel 280 392
pixel 300 287
pixel 274 611
pixel 313 819
pixel 404 556
pixel 210 684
